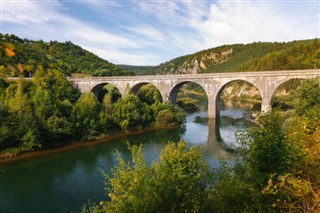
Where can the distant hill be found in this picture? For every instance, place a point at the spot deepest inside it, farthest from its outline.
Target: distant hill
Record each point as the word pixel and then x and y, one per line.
pixel 66 57
pixel 304 54
pixel 138 70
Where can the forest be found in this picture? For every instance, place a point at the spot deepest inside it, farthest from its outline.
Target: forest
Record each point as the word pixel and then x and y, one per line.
pixel 66 57
pixel 138 70
pixel 257 56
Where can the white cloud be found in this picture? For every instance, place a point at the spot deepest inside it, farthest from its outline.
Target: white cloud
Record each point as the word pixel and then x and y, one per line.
pixel 149 32
pixel 122 57
pixel 167 12
pixel 30 12
pixel 243 22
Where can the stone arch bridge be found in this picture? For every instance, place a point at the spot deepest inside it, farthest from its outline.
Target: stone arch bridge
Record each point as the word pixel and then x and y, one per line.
pixel 168 85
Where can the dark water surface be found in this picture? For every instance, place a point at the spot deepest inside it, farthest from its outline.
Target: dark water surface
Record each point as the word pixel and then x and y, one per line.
pixel 63 182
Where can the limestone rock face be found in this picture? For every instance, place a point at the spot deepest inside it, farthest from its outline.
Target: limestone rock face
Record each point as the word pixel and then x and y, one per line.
pixel 240 89
pixel 197 63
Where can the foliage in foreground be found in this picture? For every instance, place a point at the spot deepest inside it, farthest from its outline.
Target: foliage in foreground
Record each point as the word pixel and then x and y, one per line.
pixel 278 171
pixel 175 183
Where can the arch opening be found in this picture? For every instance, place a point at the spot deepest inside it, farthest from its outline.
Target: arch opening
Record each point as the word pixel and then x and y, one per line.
pixel 106 91
pixel 147 93
pixel 284 95
pixel 238 94
pixel 236 104
pixel 190 96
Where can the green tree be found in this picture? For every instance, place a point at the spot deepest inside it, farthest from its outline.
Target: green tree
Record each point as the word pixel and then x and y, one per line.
pixel 17 98
pixel 176 183
pixel 3 87
pixel 231 190
pixel 59 129
pixel 51 100
pixel 265 150
pixel 149 94
pixel 25 131
pixel 6 136
pixel 43 105
pixel 308 95
pixel 85 115
pixel 109 95
pixel 167 114
pixel 183 178
pixel 130 112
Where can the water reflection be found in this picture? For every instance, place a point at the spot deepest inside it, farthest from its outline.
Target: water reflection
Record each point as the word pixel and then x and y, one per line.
pixel 217 136
pixel 215 146
pixel 234 116
pixel 239 104
pixel 206 133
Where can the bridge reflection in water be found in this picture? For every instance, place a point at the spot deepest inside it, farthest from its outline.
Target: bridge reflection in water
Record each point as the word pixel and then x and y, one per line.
pixel 217 136
pixel 235 116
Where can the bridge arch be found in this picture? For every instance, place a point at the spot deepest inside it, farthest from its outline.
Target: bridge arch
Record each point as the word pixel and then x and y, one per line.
pixel 97 90
pixel 285 88
pixel 136 88
pixel 220 89
pixel 175 89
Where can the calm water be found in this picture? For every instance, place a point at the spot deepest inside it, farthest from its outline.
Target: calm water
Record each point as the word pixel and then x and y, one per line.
pixel 63 182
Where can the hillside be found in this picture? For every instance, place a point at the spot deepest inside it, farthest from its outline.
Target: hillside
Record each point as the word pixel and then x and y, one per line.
pixel 138 70
pixel 70 58
pixel 66 57
pixel 303 54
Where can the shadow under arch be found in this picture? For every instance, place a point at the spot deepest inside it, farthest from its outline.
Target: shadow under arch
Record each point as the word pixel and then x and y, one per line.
pixel 99 91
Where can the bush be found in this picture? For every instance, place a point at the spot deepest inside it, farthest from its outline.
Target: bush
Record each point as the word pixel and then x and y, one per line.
pixel 176 183
pixel 308 95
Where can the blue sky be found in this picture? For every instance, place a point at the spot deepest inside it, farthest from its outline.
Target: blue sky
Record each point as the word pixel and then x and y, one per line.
pixel 152 32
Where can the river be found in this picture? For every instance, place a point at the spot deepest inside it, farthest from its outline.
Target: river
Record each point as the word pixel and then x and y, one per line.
pixel 64 181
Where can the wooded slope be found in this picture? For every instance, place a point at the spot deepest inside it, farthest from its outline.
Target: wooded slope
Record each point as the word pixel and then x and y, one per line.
pixel 64 56
pixel 304 54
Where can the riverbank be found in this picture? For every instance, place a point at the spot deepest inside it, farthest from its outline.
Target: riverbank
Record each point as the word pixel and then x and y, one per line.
pixel 6 157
